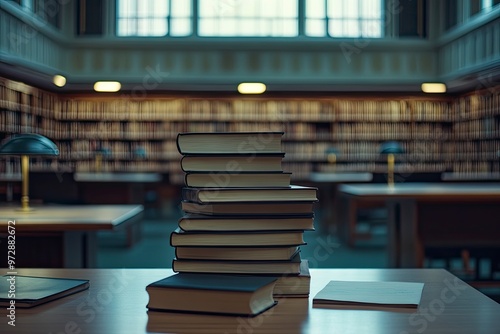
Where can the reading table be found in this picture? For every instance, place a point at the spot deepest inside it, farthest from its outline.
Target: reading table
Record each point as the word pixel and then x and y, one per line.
pixel 116 303
pixel 329 183
pixel 431 214
pixel 64 235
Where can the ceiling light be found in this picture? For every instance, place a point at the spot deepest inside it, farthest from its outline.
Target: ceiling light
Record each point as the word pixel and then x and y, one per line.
pixel 107 86
pixel 433 87
pixel 251 88
pixel 59 80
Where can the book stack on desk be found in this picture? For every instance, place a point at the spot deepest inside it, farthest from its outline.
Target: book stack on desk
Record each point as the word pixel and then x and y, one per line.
pixel 241 214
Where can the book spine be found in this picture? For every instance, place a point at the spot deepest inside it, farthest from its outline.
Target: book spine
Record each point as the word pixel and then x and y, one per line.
pixel 178 143
pixel 182 160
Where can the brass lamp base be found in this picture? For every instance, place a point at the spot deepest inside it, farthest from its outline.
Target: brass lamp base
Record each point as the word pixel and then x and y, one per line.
pixel 25 207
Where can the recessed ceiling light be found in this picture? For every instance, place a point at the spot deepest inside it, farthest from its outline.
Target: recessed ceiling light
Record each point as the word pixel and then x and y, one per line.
pixel 251 88
pixel 107 86
pixel 59 80
pixel 433 87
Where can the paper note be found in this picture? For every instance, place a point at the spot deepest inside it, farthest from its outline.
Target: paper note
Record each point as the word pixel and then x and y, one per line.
pixel 391 294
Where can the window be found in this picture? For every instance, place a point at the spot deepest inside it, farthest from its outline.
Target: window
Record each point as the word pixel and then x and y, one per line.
pixel 344 18
pixel 486 4
pixel 248 18
pixel 243 18
pixel 153 17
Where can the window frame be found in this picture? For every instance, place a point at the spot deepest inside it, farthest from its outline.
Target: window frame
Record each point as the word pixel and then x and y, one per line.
pixel 301 20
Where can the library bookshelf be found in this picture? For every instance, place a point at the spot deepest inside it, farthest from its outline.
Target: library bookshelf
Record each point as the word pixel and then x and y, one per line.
pixel 457 134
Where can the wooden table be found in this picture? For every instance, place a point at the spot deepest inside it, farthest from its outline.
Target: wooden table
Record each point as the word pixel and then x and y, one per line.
pixel 327 190
pixel 116 303
pixel 434 214
pixel 64 235
pixel 116 188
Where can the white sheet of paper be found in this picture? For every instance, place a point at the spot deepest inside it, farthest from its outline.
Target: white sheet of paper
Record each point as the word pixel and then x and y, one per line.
pixel 402 294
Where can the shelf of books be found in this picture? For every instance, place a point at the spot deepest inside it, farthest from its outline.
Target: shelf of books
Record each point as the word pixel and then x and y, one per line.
pixel 438 134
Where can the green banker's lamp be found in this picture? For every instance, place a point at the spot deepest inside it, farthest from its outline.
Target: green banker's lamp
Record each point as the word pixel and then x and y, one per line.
pixel 391 148
pixel 27 144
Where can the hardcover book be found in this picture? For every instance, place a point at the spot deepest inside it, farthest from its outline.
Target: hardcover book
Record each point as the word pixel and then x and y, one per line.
pixel 30 291
pixel 249 208
pixel 240 179
pixel 212 293
pixel 289 267
pixel 217 195
pixel 294 285
pixel 229 142
pixel 193 222
pixel 232 163
pixel 236 253
pixel 180 237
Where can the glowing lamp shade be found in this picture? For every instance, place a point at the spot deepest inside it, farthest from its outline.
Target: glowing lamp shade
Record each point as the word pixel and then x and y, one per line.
pixel 433 87
pixel 27 144
pixel 251 88
pixel 107 86
pixel 59 80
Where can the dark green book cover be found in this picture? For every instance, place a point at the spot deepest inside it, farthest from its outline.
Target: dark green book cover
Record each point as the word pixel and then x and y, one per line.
pixel 29 291
pixel 212 294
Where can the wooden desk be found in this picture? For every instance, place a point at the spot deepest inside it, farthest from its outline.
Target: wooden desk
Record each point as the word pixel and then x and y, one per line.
pixel 118 177
pixel 116 188
pixel 340 177
pixel 69 231
pixel 435 214
pixel 116 303
pixel 327 190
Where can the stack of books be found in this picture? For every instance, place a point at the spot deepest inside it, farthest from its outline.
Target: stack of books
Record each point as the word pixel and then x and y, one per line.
pixel 241 214
pixel 243 219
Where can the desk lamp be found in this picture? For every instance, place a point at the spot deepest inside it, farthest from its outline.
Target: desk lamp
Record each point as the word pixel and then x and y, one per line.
pixel 101 153
pixel 331 156
pixel 27 144
pixel 391 148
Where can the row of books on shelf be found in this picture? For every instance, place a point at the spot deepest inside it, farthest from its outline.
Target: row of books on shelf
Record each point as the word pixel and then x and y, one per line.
pixel 296 151
pixel 251 109
pixel 478 105
pixel 14 93
pixel 240 237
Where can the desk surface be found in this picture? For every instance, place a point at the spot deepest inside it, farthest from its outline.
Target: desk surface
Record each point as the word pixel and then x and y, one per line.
pixel 117 177
pixel 340 177
pixel 70 217
pixel 116 303
pixel 424 190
